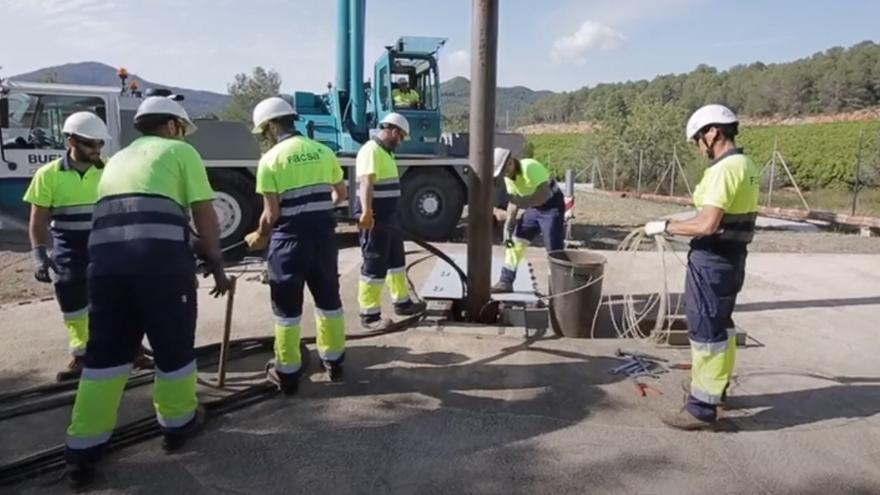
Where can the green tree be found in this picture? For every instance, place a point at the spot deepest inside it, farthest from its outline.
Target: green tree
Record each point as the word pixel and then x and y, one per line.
pixel 838 79
pixel 245 91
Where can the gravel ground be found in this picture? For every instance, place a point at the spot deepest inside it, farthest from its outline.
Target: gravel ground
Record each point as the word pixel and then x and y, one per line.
pixel 16 272
pixel 601 222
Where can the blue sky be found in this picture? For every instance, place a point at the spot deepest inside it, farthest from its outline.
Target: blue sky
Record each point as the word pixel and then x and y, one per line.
pixel 546 44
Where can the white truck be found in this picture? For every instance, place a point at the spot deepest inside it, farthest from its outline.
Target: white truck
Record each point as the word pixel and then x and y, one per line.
pixel 32 114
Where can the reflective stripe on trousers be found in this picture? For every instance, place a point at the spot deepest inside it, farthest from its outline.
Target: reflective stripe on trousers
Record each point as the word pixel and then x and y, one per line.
pixel 78 333
pixel 293 264
pixel 331 333
pixel 92 421
pixel 174 396
pixel 711 286
pixel 548 222
pixel 122 310
pixel 384 263
pixel 72 297
pixel 513 256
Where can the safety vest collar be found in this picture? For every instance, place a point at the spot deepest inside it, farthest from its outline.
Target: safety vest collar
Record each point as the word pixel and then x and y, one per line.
pixel 728 154
pixel 288 135
pixel 67 164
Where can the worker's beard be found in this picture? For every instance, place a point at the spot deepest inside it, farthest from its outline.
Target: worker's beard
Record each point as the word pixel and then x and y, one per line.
pixel 79 154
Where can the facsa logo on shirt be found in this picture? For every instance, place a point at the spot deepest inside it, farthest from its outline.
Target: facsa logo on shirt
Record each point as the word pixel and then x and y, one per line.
pixel 309 156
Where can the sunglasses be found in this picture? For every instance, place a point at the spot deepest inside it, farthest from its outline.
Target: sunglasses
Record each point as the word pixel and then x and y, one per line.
pixel 88 143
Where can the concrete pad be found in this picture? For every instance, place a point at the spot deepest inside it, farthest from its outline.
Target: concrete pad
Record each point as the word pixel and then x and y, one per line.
pixel 443 409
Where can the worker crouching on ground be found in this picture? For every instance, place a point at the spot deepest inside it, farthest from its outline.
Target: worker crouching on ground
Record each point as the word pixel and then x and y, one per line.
pixel 380 236
pixel 141 279
pixel 530 187
pixel 301 183
pixel 727 199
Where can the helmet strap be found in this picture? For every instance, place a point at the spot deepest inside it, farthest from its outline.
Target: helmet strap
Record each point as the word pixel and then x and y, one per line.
pixel 710 147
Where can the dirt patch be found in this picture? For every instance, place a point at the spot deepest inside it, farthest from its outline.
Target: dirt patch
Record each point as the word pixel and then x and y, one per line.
pixel 16 270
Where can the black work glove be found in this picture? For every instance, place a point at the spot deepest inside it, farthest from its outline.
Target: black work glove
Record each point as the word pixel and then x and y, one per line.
pixel 42 264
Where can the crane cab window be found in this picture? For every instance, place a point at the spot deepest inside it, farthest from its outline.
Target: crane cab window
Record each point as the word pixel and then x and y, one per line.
pixel 34 121
pixel 414 84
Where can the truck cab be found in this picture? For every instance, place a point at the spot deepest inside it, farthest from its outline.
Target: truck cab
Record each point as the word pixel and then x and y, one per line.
pixel 31 118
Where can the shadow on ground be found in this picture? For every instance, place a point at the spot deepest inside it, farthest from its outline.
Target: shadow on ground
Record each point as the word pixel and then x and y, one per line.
pixel 401 422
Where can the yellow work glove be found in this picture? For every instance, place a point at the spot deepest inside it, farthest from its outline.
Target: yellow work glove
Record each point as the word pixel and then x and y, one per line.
pixel 256 241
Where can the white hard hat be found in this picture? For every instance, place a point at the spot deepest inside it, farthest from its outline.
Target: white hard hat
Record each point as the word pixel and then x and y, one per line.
pixel 160 105
pixel 403 80
pixel 501 156
pixel 268 109
pixel 87 125
pixel 396 120
pixel 708 115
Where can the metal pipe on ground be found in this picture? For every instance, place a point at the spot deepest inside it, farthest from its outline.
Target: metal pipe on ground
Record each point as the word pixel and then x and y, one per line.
pixel 484 47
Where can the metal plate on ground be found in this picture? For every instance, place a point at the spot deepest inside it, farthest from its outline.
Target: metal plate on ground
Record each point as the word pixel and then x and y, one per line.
pixel 443 283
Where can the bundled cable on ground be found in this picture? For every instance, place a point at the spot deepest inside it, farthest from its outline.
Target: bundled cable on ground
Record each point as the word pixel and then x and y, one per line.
pixel 633 313
pixel 147 428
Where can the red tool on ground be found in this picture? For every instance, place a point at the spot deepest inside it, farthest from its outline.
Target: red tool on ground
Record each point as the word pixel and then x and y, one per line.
pixel 644 390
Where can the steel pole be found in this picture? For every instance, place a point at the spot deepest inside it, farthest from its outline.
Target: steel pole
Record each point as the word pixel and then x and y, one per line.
pixel 484 50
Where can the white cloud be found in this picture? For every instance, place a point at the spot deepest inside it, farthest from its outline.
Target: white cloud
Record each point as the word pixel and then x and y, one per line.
pixel 589 37
pixel 456 63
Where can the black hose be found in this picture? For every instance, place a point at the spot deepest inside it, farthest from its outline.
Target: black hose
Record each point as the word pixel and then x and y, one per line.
pixel 146 428
pixel 239 349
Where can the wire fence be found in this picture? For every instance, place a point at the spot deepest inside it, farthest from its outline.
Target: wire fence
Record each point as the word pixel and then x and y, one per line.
pixel 677 176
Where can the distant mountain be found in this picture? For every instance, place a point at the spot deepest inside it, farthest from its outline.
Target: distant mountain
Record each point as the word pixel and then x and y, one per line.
pixel 455 93
pixel 197 102
pixel 510 102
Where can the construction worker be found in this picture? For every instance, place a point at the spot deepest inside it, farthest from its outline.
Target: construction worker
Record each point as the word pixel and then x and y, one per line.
pixel 301 182
pixel 727 199
pixel 529 187
pixel 141 279
pixel 380 236
pixel 64 192
pixel 404 97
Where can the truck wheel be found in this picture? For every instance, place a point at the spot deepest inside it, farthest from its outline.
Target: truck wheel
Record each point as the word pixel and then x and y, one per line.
pixel 235 203
pixel 431 203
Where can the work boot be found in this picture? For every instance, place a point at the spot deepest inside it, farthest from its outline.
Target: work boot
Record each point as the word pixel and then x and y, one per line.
pixel 287 383
pixel 502 287
pixel 410 308
pixel 73 371
pixel 333 368
pixel 686 386
pixel 79 475
pixel 683 420
pixel 375 324
pixel 176 438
